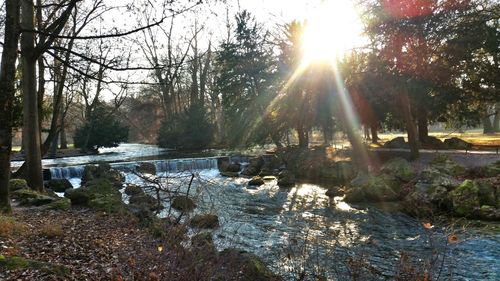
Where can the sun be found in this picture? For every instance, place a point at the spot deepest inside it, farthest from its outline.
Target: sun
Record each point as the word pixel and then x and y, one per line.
pixel 332 29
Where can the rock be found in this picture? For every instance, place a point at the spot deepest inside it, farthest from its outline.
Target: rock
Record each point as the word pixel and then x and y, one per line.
pixel 456 143
pixel 486 193
pixel 98 194
pixel 445 165
pixel 493 170
pixel 205 221
pixel 236 264
pixel 230 174
pixel 256 181
pixel 254 167
pixel 132 189
pixel 202 244
pixel 146 200
pixel 346 171
pixel 29 197
pixel 59 185
pixel 79 196
pixel 370 188
pixel 465 198
pixel 435 177
pixel 489 213
pixel 432 142
pixel 334 192
pixel 399 168
pixel 225 166
pixel 60 204
pixel 286 179
pixel 17 184
pixel 183 203
pixel 146 168
pixel 102 171
pixel 398 142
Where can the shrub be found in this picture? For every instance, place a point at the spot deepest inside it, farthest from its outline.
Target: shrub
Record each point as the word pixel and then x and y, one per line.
pixel 188 130
pixel 102 129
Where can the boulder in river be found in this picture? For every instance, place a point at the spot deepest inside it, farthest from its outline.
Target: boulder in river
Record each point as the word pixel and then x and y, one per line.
pixel 205 221
pixel 256 181
pixel 370 188
pixel 254 166
pixel 132 189
pixel 99 194
pixel 59 185
pixel 465 198
pixel 183 204
pixel 286 179
pixel 147 168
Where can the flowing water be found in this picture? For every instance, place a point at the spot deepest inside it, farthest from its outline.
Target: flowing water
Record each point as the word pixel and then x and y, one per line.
pixel 302 229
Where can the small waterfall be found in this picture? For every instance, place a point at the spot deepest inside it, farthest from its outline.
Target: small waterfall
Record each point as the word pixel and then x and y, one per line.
pixel 182 165
pixel 66 172
pixel 171 166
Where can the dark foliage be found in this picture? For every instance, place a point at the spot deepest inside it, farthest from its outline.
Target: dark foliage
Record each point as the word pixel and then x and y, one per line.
pixel 189 130
pixel 102 129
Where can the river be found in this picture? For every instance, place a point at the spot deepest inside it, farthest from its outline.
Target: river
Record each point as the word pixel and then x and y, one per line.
pixel 301 230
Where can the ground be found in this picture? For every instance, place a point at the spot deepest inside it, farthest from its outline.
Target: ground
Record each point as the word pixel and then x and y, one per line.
pixel 92 246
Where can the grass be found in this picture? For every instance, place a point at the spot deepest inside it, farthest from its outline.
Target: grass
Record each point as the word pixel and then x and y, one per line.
pixel 51 230
pixel 10 227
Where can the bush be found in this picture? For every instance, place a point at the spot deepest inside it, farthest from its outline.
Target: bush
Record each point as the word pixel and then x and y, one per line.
pixel 102 129
pixel 189 130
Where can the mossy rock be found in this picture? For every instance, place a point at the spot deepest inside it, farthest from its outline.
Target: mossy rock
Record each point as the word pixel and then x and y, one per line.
pixel 79 196
pixel 256 181
pixel 286 179
pixel 17 184
pixel 19 263
pixel 60 204
pixel 133 189
pixel 493 170
pixel 99 195
pixel 29 197
pixel 147 168
pixel 240 265
pixel 59 185
pixel 447 166
pixel 486 193
pixel 436 177
pixel 399 168
pixel 205 221
pixel 489 213
pixel 465 198
pixel 183 203
pixel 371 188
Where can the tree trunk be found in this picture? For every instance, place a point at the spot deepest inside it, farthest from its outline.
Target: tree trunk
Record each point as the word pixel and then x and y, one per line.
pixel 303 138
pixel 410 125
pixel 487 126
pixel 31 129
pixel 7 91
pixel 496 119
pixel 62 134
pixel 374 131
pixel 423 126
